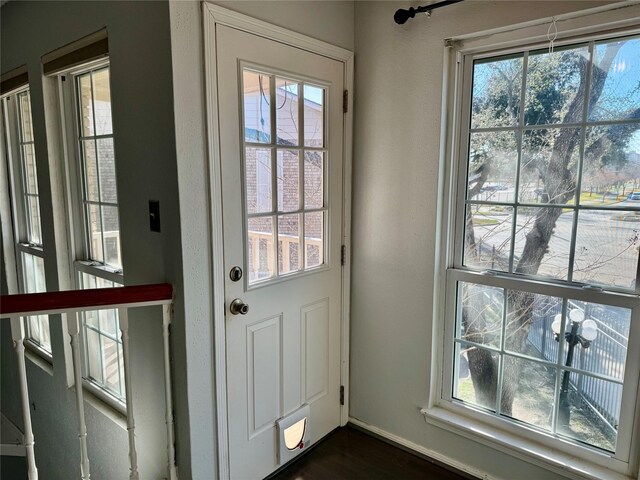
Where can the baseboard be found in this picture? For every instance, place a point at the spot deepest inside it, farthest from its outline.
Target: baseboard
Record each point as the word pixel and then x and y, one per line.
pixel 430 455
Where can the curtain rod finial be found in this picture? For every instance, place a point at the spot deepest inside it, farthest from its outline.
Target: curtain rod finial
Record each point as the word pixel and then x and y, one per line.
pixel 401 16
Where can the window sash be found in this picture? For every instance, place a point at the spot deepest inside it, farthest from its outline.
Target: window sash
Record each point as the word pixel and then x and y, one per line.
pixel 453 272
pixel 99 386
pixel 81 200
pixel 26 242
pixel 32 341
pixel 462 149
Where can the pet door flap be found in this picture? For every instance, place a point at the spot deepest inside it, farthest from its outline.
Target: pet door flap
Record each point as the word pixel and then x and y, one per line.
pixel 293 434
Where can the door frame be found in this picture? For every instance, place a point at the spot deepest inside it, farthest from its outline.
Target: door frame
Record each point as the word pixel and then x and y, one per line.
pixel 214 15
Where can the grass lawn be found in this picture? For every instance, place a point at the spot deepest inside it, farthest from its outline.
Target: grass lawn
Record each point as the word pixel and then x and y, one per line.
pixel 596 199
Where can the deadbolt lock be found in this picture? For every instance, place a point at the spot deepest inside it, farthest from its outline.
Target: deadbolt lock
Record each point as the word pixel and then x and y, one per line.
pixel 235 274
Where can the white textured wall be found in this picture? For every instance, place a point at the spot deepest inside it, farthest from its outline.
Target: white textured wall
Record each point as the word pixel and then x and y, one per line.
pixel 331 21
pixel 397 131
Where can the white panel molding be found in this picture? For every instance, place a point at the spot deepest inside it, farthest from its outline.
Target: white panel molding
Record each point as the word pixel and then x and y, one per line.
pixel 305 343
pixel 214 15
pixel 253 332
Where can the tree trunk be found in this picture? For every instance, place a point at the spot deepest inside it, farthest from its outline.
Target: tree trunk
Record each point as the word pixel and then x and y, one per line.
pixel 560 184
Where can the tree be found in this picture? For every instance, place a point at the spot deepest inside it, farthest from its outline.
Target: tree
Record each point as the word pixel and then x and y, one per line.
pixel 556 92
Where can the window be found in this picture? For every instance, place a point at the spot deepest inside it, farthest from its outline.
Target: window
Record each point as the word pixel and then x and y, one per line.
pixel 98 261
pixel 26 211
pixel 284 152
pixel 542 285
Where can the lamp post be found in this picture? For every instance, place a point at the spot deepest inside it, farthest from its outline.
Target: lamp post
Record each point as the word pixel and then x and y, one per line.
pixel 578 331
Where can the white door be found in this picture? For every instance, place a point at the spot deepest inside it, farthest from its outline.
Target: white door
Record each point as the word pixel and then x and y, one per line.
pixel 281 143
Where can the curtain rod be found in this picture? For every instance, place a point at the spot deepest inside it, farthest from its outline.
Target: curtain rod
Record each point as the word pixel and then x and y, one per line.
pixel 401 16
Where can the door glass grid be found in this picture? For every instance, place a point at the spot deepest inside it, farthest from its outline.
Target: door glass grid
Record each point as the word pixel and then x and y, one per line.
pixel 284 174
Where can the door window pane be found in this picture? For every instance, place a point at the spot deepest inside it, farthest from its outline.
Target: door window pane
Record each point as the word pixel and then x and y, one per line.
pixel 288 180
pixel 257 107
pixel 287 112
pixel 314 116
pixel 314 239
pixel 289 244
pixel 313 180
pixel 258 180
pixel 261 248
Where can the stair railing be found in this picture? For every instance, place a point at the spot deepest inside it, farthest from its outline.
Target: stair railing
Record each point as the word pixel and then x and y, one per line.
pixel 71 303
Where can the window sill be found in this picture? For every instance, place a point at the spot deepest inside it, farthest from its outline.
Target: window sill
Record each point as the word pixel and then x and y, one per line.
pixel 39 357
pixel 525 449
pixel 113 414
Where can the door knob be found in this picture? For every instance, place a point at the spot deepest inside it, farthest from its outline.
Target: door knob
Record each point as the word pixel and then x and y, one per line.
pixel 238 307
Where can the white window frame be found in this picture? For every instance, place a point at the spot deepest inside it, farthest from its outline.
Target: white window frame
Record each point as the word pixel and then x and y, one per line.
pixel 79 257
pixel 529 444
pixel 21 235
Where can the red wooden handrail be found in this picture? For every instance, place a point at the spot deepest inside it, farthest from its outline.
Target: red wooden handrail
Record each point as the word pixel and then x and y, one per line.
pixel 79 299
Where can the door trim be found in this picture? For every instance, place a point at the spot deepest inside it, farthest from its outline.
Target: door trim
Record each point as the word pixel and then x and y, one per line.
pixel 213 16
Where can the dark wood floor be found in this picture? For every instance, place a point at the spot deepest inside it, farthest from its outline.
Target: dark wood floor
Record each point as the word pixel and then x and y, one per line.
pixel 348 453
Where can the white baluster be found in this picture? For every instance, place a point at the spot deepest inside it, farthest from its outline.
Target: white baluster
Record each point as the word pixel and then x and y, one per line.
pixel 17 333
pixel 171 452
pixel 123 317
pixel 73 325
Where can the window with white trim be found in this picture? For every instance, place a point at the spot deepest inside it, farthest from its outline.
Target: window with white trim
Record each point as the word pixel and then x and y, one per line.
pixel 98 263
pixel 16 113
pixel 542 306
